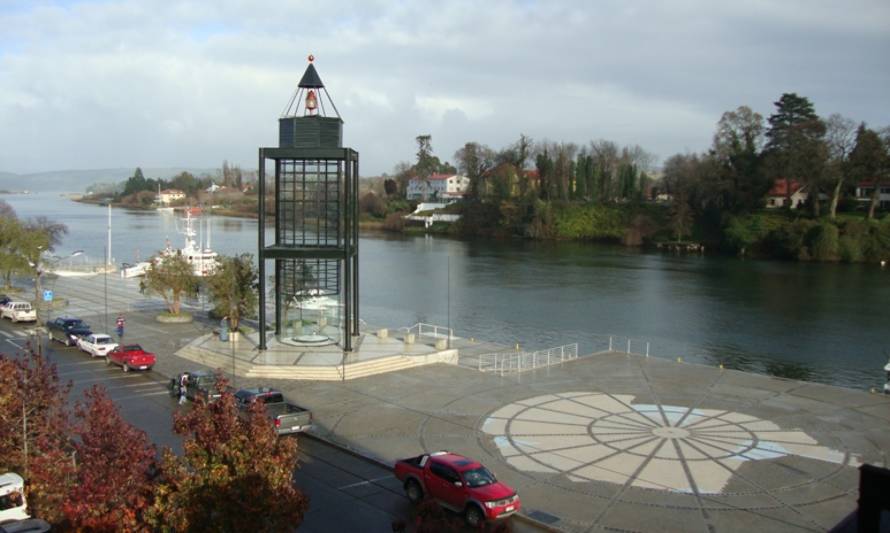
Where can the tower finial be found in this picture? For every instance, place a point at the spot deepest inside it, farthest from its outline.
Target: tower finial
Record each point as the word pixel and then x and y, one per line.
pixel 311 58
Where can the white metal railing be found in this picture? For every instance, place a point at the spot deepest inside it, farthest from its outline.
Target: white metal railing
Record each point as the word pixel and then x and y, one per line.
pixel 621 344
pixel 507 362
pixel 429 330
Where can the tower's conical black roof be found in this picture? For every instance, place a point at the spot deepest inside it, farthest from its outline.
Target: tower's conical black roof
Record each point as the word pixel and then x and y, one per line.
pixel 310 79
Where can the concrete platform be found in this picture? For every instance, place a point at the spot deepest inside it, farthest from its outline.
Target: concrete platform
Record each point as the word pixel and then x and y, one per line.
pixel 626 442
pixel 282 360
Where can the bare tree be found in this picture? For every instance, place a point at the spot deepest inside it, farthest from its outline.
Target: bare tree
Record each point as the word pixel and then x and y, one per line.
pixel 840 135
pixel 605 161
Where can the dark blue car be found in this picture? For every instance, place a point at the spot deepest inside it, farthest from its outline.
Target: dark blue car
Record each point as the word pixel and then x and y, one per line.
pixel 67 329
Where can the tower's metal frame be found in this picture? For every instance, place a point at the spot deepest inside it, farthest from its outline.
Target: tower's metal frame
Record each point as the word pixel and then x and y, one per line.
pixel 315 198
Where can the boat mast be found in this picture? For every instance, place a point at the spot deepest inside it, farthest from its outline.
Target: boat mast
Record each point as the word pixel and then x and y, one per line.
pixel 108 248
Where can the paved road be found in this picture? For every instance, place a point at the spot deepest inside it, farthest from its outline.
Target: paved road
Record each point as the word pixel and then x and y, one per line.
pixel 335 480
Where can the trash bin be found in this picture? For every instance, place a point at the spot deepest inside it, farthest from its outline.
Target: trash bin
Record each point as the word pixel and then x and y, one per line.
pixel 224 330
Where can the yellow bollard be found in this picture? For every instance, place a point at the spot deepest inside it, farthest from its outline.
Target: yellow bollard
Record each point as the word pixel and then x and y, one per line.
pixel 679 359
pixel 721 366
pixel 472 339
pixel 517 346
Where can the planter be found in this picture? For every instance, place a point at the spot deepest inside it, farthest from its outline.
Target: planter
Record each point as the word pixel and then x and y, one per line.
pixel 181 318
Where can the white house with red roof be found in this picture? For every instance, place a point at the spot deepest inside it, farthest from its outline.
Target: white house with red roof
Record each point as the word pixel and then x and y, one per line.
pixel 778 194
pixel 438 187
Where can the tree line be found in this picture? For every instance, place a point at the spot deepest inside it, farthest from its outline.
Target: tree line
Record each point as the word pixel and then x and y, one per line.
pixel 603 191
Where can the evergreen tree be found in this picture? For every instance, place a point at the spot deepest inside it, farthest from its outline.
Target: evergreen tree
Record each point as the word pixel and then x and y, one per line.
pixel 795 145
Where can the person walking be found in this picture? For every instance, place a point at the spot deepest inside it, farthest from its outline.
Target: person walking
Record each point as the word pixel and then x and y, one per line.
pixel 183 387
pixel 121 322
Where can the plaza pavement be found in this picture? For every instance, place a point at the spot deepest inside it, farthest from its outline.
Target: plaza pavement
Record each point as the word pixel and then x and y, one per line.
pixel 610 441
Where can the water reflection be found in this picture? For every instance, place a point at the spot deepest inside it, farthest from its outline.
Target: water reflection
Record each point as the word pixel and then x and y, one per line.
pixel 789 370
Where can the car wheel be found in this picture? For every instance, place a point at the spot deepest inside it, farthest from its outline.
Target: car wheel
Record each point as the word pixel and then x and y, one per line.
pixel 473 515
pixel 413 491
pixel 107 360
pixel 125 367
pixel 68 342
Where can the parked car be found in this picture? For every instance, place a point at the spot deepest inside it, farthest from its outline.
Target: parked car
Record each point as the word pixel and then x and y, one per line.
pixel 67 330
pixel 19 312
pixel 4 299
pixel 12 498
pixel 200 384
pixel 286 417
pixel 457 483
pixel 29 525
pixel 130 357
pixel 96 344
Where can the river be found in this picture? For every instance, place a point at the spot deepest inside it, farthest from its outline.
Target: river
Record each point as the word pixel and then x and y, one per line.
pixel 818 322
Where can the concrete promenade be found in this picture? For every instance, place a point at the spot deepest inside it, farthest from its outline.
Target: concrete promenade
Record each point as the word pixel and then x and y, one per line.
pixel 609 441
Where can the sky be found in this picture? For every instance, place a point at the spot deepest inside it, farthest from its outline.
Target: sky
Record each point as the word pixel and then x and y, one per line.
pixel 105 84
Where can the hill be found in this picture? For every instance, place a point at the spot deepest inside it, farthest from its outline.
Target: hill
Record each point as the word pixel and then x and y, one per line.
pixel 79 180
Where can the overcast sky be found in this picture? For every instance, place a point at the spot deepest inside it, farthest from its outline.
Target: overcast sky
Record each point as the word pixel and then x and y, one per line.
pixel 98 84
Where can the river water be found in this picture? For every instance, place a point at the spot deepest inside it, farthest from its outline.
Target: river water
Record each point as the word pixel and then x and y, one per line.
pixel 820 322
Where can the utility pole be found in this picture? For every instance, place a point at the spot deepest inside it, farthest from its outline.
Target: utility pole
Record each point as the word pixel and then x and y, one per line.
pixel 105 275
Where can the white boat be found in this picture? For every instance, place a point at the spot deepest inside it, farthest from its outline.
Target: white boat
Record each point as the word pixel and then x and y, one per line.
pixel 132 271
pixel 314 300
pixel 165 210
pixel 204 261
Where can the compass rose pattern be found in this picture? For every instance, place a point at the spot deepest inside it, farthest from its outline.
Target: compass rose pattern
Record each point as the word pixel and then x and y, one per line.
pixel 592 436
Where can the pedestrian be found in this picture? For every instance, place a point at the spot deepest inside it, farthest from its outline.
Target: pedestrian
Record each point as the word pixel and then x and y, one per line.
pixel 183 387
pixel 121 322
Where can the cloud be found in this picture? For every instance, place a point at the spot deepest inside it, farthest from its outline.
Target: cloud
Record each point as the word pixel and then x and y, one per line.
pixel 86 84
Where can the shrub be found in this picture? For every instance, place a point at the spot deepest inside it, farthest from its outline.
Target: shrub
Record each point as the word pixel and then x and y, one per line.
pixel 394 222
pixel 849 249
pixel 372 204
pixel 822 242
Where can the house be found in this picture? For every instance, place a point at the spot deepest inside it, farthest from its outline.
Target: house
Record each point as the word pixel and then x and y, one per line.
pixel 778 194
pixel 864 190
pixel 168 196
pixel 441 187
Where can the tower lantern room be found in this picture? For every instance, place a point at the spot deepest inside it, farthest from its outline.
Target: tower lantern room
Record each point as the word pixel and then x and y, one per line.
pixel 314 203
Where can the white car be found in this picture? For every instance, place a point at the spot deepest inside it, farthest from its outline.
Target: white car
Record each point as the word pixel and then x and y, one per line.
pixel 97 344
pixel 19 312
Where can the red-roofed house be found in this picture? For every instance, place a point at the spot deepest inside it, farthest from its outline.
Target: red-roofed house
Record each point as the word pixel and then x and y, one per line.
pixel 777 196
pixel 441 187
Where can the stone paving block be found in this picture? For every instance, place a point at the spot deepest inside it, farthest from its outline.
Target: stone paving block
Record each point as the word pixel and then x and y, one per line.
pixel 631 517
pixel 761 520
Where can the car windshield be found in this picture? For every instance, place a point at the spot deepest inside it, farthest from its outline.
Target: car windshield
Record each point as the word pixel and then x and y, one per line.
pixel 479 477
pixel 76 323
pixel 103 340
pixel 132 348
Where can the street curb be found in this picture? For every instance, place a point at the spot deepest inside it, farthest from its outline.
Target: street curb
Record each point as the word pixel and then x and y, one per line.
pixel 380 462
pixel 384 464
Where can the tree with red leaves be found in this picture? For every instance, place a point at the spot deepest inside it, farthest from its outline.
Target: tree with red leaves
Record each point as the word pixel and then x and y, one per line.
pixel 235 474
pixel 34 431
pixel 115 460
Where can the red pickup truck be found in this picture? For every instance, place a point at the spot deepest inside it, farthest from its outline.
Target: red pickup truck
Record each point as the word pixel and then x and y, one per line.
pixel 457 483
pixel 130 357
